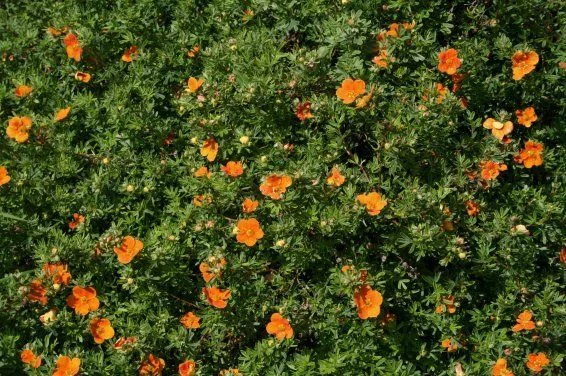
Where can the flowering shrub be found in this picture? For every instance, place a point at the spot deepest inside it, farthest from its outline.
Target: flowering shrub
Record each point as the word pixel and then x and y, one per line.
pixel 282 188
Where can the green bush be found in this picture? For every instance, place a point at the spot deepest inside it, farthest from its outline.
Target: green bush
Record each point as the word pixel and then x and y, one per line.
pixel 125 159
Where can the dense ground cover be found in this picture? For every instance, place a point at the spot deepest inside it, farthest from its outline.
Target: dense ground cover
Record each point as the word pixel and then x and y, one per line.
pixel 282 187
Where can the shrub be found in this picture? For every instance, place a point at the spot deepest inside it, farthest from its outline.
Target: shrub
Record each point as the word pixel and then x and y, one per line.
pixel 282 187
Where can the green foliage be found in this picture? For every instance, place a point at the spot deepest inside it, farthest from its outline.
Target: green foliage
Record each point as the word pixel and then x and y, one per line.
pixel 125 159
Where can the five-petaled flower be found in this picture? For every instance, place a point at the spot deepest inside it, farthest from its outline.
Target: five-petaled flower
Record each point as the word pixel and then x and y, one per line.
pixel 76 221
pixel 187 368
pixel 209 149
pixel 28 357
pixel 531 155
pixel 524 322
pixel 350 90
pixel 279 327
pixel 249 205
pixel 233 169
pixel 523 63
pixel 275 185
pixel 498 129
pixel 190 321
pixel 537 361
pixel 37 293
pixel 335 178
pixel 472 208
pixel 368 302
pixel 101 329
pixel 58 272
pixel 373 202
pixel 4 177
pixel 490 169
pixel 526 117
pixel 217 297
pixel 194 84
pixel 448 61
pixel 83 300
pixel 62 113
pixel 153 366
pixel 23 91
pixel 500 368
pixel 73 47
pixel 18 128
pixel 129 248
pixel 249 231
pixel 66 366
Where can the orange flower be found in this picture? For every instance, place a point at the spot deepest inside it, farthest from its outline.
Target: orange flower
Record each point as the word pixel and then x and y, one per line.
pixel 274 185
pixel 28 357
pixel 523 63
pixel 209 149
pixel 381 60
pixel 526 117
pixel 447 304
pixel 77 220
pixel 83 300
pixel 490 170
pixel 82 76
pixel 536 362
pixel 472 208
pixel 233 169
pixel 190 321
pixel 335 178
pixel 73 47
pixel 4 177
pixel 124 341
pixel 303 111
pixel 193 84
pixel 531 155
pixel 58 271
pixel 350 90
pixel 373 202
pixel 449 61
pixel 193 51
pixel 249 205
pixel 448 345
pixel 23 91
pixel 249 231
pixel 101 330
pixel 279 327
pixel 62 114
pixel 187 368
pixel 129 54
pixel 217 297
pixel 524 322
pixel 457 79
pixel 37 293
pixel 18 128
pixel 128 250
pixel 500 368
pixel 441 92
pixel 67 366
pixel 153 366
pixel 563 255
pixel 202 171
pixel 498 129
pixel 199 200
pixel 409 26
pixel 209 272
pixel 368 302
